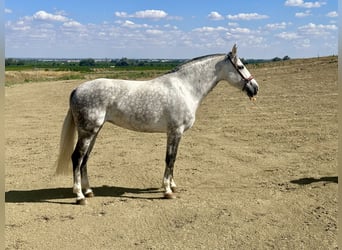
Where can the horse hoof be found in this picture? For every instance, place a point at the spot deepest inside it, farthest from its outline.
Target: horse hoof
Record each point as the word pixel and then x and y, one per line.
pixel 89 195
pixel 169 196
pixel 81 202
pixel 174 189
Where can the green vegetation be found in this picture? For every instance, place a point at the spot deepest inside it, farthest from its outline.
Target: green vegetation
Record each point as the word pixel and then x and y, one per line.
pixel 29 70
pixel 32 70
pixel 88 65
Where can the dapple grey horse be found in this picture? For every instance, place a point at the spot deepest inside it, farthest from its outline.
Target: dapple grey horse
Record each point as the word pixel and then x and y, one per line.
pixel 166 104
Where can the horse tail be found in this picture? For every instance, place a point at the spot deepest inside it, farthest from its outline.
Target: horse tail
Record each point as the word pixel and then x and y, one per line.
pixel 66 146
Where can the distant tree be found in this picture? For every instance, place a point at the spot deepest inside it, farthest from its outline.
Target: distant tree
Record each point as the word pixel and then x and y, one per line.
pixel 276 59
pixel 10 61
pixel 244 61
pixel 16 62
pixel 20 63
pixel 87 62
pixel 123 62
pixel 286 58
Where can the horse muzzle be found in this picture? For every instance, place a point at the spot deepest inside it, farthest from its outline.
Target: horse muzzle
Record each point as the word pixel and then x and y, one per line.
pixel 251 88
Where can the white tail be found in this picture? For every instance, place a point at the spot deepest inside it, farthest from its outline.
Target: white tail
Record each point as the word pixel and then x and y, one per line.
pixel 66 146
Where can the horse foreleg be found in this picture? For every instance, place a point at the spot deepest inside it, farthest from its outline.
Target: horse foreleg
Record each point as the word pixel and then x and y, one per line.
pixel 169 184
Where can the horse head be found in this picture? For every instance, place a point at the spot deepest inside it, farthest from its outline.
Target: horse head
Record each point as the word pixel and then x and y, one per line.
pixel 238 75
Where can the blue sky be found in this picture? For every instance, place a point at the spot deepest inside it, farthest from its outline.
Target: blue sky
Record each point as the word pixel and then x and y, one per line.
pixel 170 29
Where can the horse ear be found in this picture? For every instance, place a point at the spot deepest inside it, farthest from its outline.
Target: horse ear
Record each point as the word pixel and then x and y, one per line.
pixel 234 50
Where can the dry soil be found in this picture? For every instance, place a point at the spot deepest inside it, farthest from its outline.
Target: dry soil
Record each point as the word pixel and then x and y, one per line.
pixel 251 175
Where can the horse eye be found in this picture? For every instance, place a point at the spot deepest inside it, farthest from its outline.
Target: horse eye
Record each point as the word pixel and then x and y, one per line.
pixel 240 67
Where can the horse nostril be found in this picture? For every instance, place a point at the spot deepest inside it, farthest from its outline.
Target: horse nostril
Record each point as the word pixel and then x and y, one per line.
pixel 256 89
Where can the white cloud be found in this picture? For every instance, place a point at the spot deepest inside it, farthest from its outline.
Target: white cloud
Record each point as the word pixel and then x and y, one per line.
pixel 45 16
pixel 302 43
pixel 127 36
pixel 133 25
pixel 72 24
pixel 308 32
pixel 21 28
pixel 246 37
pixel 241 30
pixel 152 14
pixel 332 14
pixel 210 29
pixel 232 24
pixel 276 26
pixel 121 14
pixel 303 14
pixel 247 16
pixel 17 26
pixel 288 35
pixel 301 3
pixel 154 32
pixel 144 14
pixel 319 26
pixel 215 16
pixel 169 26
pixel 129 24
pixel 8 11
pixel 318 30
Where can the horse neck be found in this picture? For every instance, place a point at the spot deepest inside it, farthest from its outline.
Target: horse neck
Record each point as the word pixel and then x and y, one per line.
pixel 200 77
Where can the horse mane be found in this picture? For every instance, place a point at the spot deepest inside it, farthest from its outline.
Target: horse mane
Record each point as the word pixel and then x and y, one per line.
pixel 196 59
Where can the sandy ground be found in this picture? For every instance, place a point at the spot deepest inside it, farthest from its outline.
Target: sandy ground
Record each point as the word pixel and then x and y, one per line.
pixel 251 175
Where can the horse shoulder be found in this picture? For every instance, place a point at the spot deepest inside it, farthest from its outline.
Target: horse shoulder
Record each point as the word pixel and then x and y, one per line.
pixel 184 92
pixel 181 103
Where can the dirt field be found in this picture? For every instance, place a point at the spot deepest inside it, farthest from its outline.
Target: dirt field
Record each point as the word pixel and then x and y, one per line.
pixel 251 175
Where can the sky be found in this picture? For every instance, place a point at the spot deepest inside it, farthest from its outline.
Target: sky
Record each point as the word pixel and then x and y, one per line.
pixel 172 29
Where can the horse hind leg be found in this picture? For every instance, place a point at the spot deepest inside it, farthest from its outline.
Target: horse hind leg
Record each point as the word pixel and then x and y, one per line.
pixel 79 160
pixel 87 191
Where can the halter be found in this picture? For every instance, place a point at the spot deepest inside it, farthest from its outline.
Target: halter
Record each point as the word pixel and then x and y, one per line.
pixel 247 80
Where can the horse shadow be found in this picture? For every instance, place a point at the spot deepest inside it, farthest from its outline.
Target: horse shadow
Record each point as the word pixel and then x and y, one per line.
pixel 54 195
pixel 310 180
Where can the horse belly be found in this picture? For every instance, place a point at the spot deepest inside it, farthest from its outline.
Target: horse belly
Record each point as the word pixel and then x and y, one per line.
pixel 140 118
